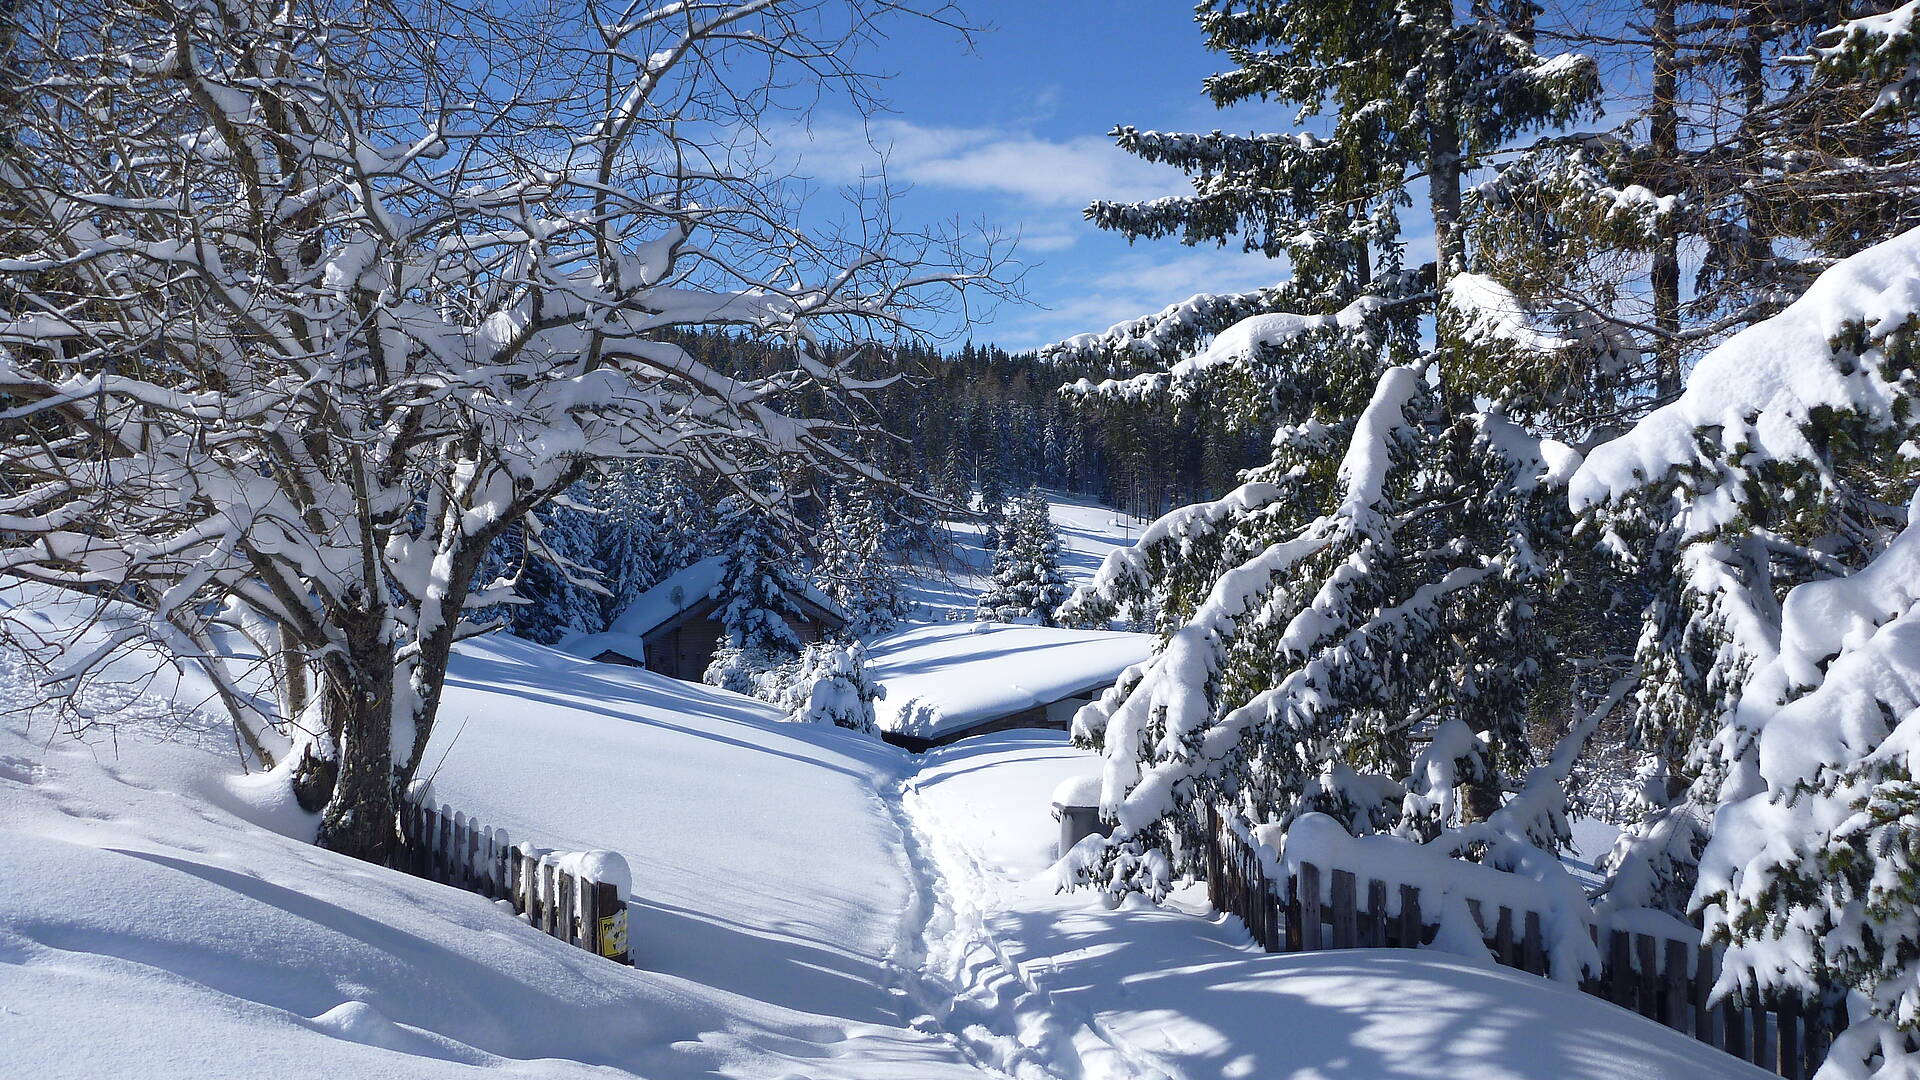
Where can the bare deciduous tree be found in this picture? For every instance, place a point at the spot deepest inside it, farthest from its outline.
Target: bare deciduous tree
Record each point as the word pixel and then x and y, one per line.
pixel 310 299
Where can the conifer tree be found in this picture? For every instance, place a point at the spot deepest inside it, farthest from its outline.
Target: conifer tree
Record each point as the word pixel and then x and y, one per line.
pixel 832 687
pixel 1027 582
pixel 1353 630
pixel 759 584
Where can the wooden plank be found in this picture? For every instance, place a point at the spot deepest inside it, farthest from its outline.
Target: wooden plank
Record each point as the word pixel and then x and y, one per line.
pixel 1787 1036
pixel 1503 937
pixel 1310 939
pixel 1375 936
pixel 565 902
pixel 1533 953
pixel 1759 1026
pixel 1646 971
pixel 1619 968
pixel 1413 931
pixel 610 935
pixel 429 840
pixel 1673 988
pixel 443 847
pixel 503 863
pixel 472 860
pixel 1733 1015
pixel 1214 867
pixel 1344 904
pixel 1706 967
pixel 1293 916
pixel 549 915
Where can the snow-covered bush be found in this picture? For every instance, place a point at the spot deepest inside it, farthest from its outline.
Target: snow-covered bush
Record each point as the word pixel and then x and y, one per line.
pixel 832 687
pixel 754 672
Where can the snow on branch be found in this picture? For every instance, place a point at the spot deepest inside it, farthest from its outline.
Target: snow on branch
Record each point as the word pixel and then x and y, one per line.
pixel 1753 398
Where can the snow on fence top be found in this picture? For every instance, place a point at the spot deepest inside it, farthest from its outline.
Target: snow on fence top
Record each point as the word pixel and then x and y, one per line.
pixel 942 679
pixel 1446 883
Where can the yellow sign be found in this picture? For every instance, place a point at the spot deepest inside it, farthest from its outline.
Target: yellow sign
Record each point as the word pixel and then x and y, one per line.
pixel 613 933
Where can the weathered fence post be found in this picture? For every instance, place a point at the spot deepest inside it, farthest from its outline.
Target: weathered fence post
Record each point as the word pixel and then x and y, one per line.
pixel 1310 907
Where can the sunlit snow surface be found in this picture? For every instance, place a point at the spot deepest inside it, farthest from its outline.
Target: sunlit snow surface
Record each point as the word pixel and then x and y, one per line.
pixel 805 906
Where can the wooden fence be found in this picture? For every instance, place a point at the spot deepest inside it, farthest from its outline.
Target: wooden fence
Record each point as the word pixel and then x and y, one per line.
pixel 441 844
pixel 1667 980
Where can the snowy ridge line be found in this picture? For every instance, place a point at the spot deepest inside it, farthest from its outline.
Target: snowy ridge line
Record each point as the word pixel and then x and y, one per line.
pixel 974 983
pixel 579 897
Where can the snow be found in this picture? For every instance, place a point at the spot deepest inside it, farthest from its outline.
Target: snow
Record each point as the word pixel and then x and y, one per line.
pixel 137 907
pixel 803 905
pixel 1176 993
pixel 945 678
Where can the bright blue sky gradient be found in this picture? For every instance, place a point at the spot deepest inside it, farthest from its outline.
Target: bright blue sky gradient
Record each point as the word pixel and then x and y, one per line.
pixel 1015 133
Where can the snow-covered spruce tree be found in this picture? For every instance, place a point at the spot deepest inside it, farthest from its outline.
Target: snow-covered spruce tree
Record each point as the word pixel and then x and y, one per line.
pixel 317 300
pixel 1739 164
pixel 1738 492
pixel 1775 497
pixel 857 565
pixel 1027 582
pixel 832 687
pixel 1353 630
pixel 760 583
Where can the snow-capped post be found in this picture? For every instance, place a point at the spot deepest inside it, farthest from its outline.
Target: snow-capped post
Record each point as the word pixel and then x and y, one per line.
pixel 281 373
pixel 1076 806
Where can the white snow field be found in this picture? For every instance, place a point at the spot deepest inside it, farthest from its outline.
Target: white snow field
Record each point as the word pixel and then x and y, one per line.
pixel 949 677
pixel 805 907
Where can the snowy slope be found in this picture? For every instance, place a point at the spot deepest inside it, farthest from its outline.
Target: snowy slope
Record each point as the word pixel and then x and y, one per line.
pixel 148 930
pixel 1088 531
pixel 950 677
pixel 804 908
pixel 1147 992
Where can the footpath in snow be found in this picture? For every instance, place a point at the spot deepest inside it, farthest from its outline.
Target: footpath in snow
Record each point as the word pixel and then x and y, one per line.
pixel 1181 993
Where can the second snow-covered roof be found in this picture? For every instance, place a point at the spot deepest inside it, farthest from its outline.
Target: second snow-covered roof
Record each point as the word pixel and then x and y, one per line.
pixel 947 678
pixel 684 588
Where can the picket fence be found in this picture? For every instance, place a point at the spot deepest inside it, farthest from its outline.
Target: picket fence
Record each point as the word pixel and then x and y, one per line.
pixel 442 844
pixel 1667 980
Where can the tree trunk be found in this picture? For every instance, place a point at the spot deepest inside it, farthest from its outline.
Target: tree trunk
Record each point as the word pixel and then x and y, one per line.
pixel 359 819
pixel 1443 147
pixel 1664 122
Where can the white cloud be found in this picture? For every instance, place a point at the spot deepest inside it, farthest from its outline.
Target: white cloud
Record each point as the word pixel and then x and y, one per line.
pixel 1033 168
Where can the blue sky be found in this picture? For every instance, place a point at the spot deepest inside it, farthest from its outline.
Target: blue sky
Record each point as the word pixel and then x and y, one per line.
pixel 1014 132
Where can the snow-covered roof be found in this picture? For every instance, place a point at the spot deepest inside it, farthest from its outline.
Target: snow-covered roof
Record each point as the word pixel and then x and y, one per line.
pixel 947 678
pixel 682 589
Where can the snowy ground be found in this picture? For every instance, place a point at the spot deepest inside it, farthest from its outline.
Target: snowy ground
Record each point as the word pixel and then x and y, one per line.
pixel 1088 531
pixel 806 905
pixel 1147 992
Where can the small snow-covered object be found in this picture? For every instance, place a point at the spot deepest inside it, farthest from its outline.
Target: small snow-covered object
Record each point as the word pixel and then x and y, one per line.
pixel 606 867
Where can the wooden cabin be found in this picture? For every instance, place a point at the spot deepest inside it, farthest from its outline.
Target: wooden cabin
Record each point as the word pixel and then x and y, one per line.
pixel 678 627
